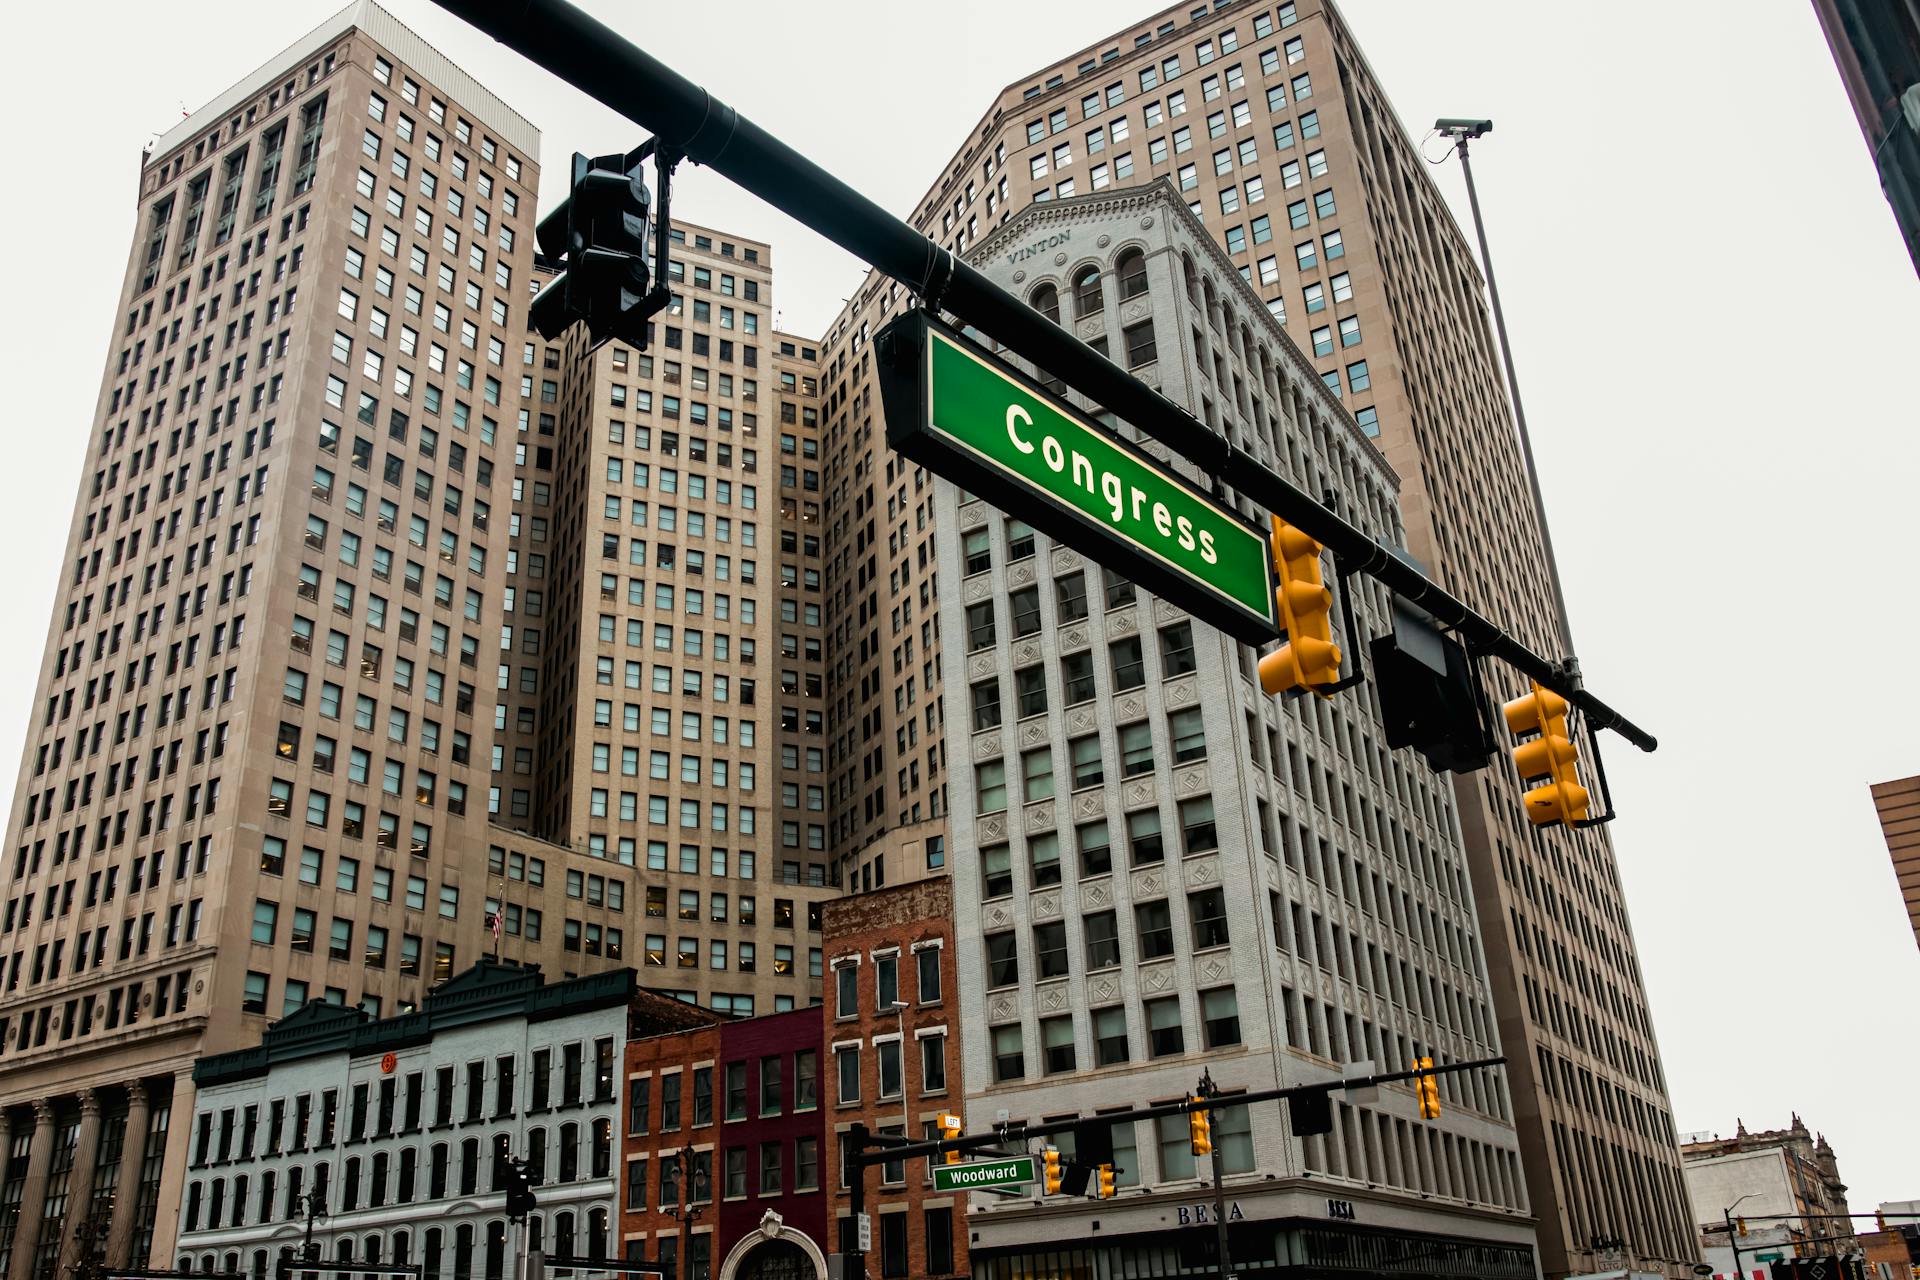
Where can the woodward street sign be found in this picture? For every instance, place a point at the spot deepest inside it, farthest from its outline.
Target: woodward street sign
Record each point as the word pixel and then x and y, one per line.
pixel 982 1174
pixel 967 415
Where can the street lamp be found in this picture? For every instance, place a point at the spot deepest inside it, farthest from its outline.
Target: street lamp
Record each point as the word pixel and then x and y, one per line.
pixel 1726 1216
pixel 1461 132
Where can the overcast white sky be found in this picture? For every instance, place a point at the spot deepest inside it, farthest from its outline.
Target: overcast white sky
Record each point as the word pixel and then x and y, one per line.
pixel 1716 330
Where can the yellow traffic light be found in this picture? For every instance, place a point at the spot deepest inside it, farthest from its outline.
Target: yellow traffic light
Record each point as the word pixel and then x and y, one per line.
pixel 950 1127
pixel 1546 756
pixel 1427 1089
pixel 1106 1182
pixel 1200 1129
pixel 1742 1224
pixel 1051 1157
pixel 1309 658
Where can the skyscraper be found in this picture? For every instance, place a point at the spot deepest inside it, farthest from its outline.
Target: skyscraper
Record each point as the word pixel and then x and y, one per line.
pixel 1175 872
pixel 1896 803
pixel 1270 123
pixel 257 770
pixel 665 531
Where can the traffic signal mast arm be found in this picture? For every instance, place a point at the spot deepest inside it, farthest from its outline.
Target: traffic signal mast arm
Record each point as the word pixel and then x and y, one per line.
pixel 877 1148
pixel 692 122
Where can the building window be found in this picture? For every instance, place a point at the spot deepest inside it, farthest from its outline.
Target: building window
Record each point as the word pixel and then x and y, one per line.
pixel 1009 1058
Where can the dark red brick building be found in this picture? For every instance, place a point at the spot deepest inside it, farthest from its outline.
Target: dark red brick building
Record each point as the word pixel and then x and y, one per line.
pixel 733 1108
pixel 892 1061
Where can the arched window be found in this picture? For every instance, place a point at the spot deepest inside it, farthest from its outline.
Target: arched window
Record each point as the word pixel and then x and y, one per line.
pixel 1088 298
pixel 437 1172
pixel 1131 267
pixel 596 1241
pixel 430 1259
pixel 1212 303
pixel 469 1166
pixel 537 1154
pixel 1189 279
pixel 496 1259
pixel 350 1184
pixel 216 1203
pixel 463 1251
pixel 239 1201
pixel 569 1152
pixel 602 1158
pixel 1046 300
pixel 563 1235
pixel 377 1189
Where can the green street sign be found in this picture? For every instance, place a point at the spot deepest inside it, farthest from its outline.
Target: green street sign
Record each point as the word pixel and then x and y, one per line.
pixel 978 1175
pixel 965 414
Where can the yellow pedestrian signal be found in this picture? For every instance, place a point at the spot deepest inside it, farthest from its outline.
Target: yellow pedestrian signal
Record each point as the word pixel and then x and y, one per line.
pixel 950 1127
pixel 1106 1182
pixel 1546 756
pixel 1427 1089
pixel 1200 1129
pixel 1051 1158
pixel 1309 658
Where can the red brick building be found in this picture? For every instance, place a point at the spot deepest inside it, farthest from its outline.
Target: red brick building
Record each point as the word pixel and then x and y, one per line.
pixel 734 1108
pixel 892 1029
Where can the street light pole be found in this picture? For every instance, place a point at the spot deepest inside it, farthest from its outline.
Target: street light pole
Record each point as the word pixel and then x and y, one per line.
pixel 1461 131
pixel 1726 1215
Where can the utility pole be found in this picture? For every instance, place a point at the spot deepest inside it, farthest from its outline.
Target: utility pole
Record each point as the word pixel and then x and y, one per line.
pixel 314 1205
pixel 1462 131
pixel 1207 1089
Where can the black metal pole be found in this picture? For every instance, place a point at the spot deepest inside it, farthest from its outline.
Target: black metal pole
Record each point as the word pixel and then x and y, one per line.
pixel 856 1143
pixel 1207 1090
pixel 686 118
pixel 1513 390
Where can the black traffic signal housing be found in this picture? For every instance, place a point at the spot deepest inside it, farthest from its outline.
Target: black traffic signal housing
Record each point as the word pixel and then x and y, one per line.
pixel 1310 1113
pixel 599 236
pixel 1430 694
pixel 520 1185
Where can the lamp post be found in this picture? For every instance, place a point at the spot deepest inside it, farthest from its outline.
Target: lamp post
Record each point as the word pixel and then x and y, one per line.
pixel 1726 1216
pixel 1462 132
pixel 687 1210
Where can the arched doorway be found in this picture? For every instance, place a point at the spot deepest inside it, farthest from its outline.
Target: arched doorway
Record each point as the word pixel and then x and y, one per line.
pixel 774 1251
pixel 775 1260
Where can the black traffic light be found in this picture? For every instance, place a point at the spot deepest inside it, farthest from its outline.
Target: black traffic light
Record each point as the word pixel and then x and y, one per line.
pixel 520 1185
pixel 1430 694
pixel 1310 1113
pixel 598 235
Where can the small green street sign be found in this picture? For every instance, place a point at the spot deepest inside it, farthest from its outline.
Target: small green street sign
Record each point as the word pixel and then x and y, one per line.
pixel 969 416
pixel 980 1175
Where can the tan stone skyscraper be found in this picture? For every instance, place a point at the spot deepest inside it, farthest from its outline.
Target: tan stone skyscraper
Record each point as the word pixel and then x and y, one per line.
pixel 1898 804
pixel 662 714
pixel 1268 120
pixel 257 771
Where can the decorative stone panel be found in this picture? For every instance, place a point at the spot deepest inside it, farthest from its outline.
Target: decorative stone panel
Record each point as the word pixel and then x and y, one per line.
pixel 1044 906
pixel 1151 883
pixel 1038 816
